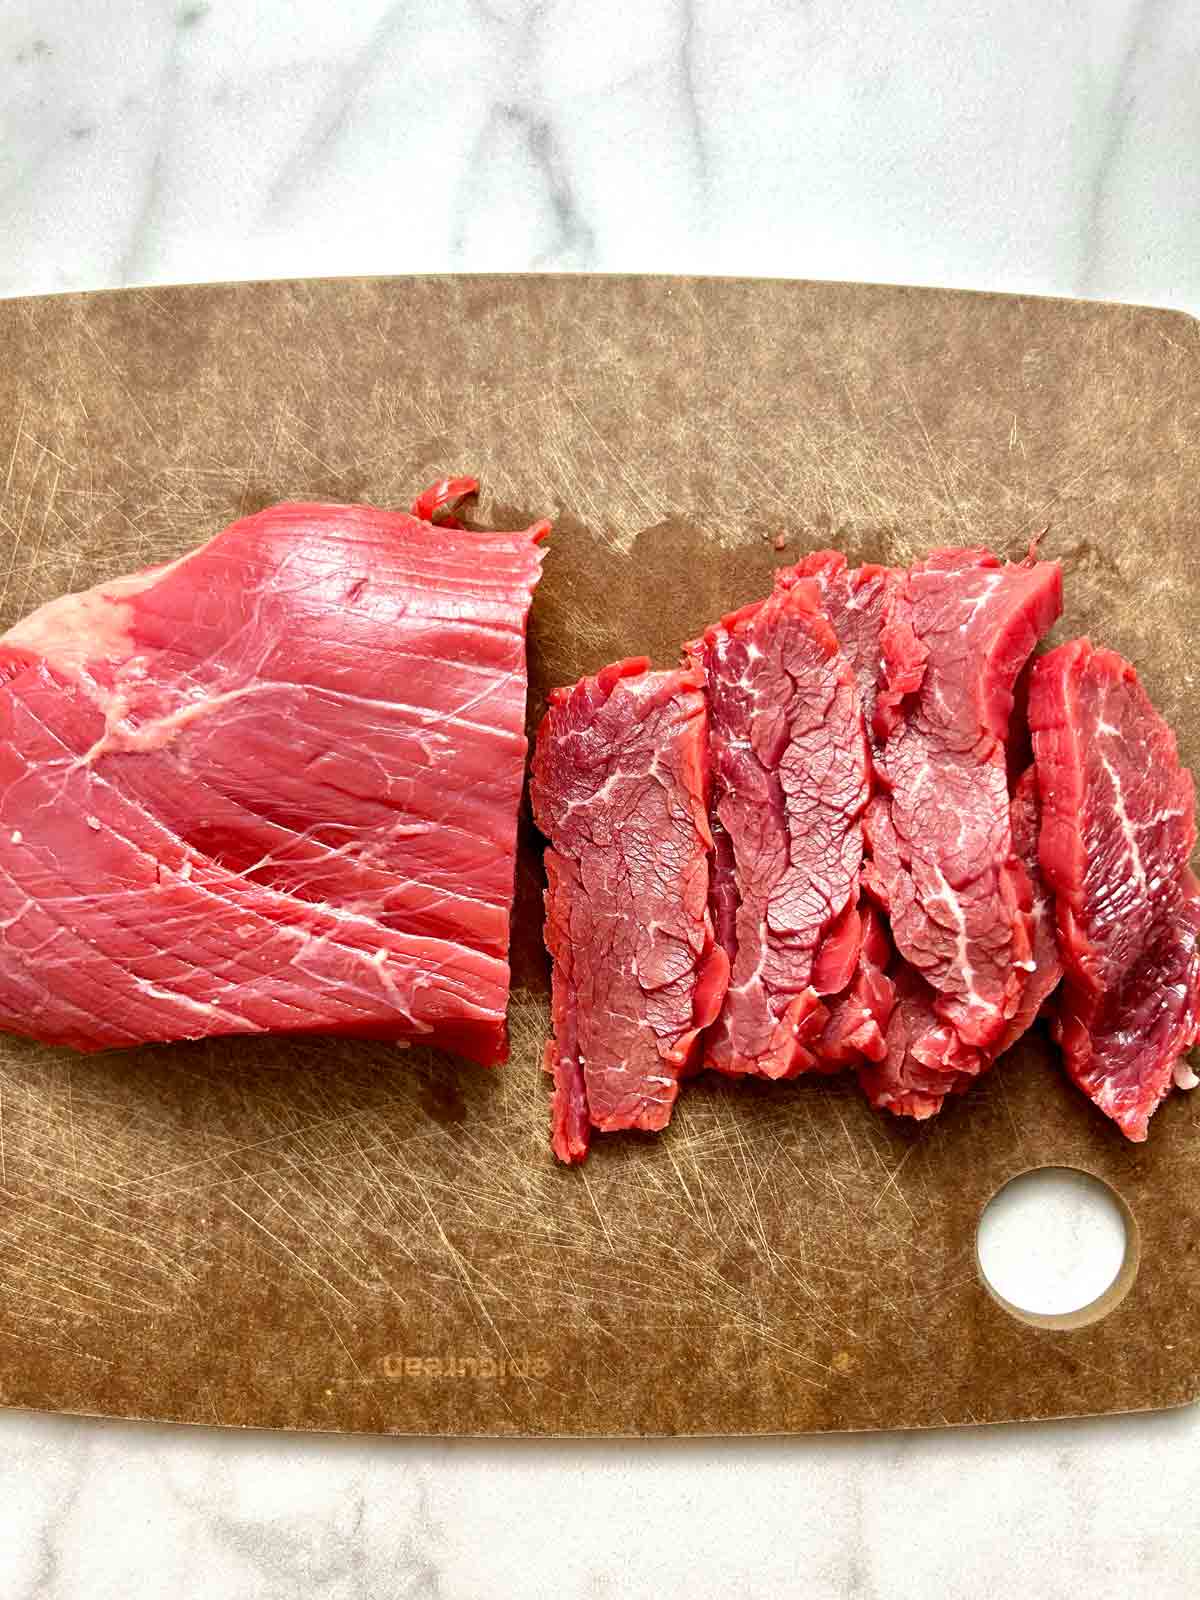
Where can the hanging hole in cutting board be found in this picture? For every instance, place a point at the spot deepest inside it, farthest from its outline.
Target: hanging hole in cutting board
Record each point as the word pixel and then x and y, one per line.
pixel 1057 1247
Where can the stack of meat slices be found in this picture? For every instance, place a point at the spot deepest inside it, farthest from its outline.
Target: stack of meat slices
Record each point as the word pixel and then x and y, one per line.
pixel 813 847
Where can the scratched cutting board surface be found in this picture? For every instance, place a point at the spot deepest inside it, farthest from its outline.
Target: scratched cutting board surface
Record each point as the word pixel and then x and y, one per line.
pixel 334 1235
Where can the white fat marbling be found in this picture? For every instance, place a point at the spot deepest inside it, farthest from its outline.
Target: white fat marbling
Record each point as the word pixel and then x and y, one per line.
pixel 1047 147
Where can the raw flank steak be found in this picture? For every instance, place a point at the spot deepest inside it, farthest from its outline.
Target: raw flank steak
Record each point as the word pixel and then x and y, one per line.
pixel 959 628
pixel 790 777
pixel 1118 829
pixel 1046 971
pixel 619 787
pixel 271 786
pixel 924 1060
pixel 855 600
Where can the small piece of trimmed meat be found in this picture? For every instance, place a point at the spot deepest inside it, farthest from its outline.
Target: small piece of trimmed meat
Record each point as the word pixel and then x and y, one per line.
pixel 925 1059
pixel 790 779
pixel 858 1017
pixel 1118 829
pixel 855 600
pixel 1026 813
pixel 959 628
pixel 619 789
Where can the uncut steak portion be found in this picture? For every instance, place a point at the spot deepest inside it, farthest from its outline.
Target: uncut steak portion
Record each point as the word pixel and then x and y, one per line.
pixel 619 789
pixel 1118 829
pixel 790 773
pixel 959 628
pixel 269 787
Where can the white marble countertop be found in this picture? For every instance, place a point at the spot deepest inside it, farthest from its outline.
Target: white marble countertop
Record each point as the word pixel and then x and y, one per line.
pixel 1048 148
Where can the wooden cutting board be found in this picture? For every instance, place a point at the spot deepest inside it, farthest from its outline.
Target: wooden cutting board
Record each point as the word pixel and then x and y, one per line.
pixel 340 1236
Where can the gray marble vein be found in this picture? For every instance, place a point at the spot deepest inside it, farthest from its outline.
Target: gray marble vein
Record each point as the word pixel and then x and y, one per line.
pixel 1115 123
pixel 136 260
pixel 691 91
pixel 518 163
pixel 518 137
pixel 333 114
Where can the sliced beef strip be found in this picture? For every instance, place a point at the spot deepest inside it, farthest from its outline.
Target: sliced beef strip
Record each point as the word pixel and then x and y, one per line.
pixel 1044 978
pixel 958 630
pixel 858 1017
pixel 925 1059
pixel 855 599
pixel 619 787
pixel 790 781
pixel 1118 829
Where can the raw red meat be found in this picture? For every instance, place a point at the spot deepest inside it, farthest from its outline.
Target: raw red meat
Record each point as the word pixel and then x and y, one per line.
pixel 271 786
pixel 1118 828
pixel 958 630
pixel 855 601
pixel 790 782
pixel 1026 812
pixel 858 1017
pixel 619 788
pixel 925 1059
